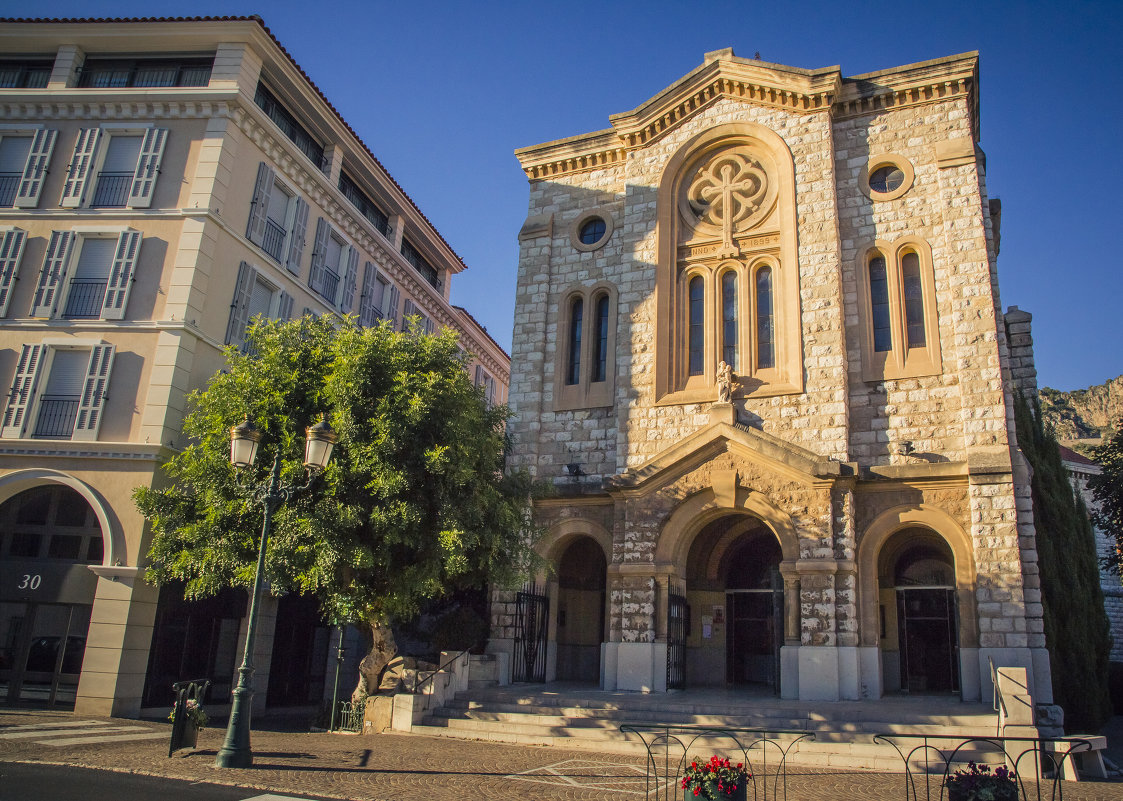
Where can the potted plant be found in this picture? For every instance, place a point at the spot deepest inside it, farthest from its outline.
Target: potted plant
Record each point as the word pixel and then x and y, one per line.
pixel 978 783
pixel 195 719
pixel 716 780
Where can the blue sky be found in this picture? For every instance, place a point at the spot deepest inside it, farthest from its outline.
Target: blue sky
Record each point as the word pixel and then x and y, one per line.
pixel 443 92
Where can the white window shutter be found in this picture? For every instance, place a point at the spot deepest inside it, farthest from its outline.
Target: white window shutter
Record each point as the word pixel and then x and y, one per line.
pixel 94 392
pixel 23 390
pixel 240 306
pixel 395 296
pixel 367 312
pixel 408 310
pixel 31 184
pixel 296 237
pixel 319 255
pixel 81 164
pixel 430 326
pixel 284 307
pixel 11 251
pixel 350 281
pixel 255 228
pixel 55 265
pixel 121 276
pixel 147 168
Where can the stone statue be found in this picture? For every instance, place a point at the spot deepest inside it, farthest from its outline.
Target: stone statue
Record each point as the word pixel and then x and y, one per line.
pixel 724 382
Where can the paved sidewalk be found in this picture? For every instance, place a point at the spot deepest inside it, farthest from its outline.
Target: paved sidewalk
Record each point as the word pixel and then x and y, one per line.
pixel 394 767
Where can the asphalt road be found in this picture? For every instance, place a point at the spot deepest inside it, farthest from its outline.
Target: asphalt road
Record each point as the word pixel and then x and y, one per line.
pixel 20 782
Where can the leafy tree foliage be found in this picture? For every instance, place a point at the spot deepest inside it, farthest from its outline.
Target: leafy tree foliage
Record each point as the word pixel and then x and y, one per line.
pixel 1077 631
pixel 414 504
pixel 1107 489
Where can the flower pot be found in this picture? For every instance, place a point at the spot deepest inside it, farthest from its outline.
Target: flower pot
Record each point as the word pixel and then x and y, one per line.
pixel 740 794
pixel 190 734
pixel 998 791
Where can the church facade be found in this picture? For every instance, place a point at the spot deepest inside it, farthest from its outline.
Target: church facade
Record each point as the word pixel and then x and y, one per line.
pixel 760 353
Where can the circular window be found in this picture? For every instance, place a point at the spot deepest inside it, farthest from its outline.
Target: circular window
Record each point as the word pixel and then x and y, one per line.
pixel 886 177
pixel 592 231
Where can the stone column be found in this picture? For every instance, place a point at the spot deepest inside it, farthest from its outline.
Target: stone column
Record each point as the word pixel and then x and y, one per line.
pixel 789 651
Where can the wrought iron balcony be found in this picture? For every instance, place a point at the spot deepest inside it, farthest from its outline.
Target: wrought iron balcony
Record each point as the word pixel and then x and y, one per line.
pixel 84 301
pixel 112 190
pixel 56 416
pixel 274 239
pixel 330 285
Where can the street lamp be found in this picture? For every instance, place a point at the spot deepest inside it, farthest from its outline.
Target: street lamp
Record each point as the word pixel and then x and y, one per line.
pixel 244 439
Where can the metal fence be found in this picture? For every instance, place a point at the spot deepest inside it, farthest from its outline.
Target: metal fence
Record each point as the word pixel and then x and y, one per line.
pixel 112 190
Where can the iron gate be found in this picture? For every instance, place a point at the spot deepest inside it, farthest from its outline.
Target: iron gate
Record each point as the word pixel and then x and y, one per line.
pixel 676 641
pixel 532 615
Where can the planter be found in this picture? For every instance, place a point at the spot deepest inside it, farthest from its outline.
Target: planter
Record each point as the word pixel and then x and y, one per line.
pixel 741 794
pixel 190 735
pixel 996 790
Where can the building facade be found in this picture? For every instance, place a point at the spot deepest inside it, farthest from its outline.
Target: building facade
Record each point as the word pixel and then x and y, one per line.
pixel 162 182
pixel 759 351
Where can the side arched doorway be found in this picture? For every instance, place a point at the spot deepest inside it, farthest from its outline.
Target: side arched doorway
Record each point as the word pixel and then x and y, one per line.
pixel 49 534
pixel 735 597
pixel 581 604
pixel 919 614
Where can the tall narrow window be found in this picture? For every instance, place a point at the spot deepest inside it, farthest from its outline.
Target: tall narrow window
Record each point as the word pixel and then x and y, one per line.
pixel 600 366
pixel 879 302
pixel 697 325
pixel 729 319
pixel 573 369
pixel 914 299
pixel 765 321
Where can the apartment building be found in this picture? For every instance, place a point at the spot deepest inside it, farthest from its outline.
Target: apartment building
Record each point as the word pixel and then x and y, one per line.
pixel 161 183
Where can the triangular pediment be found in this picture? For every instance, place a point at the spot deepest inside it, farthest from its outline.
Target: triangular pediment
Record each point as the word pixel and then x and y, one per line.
pixel 771 453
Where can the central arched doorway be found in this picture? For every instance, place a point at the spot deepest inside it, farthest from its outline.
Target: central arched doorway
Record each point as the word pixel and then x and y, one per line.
pixel 735 603
pixel 581 600
pixel 919 614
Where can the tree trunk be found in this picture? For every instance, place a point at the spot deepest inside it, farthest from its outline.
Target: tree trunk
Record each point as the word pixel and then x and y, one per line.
pixel 373 665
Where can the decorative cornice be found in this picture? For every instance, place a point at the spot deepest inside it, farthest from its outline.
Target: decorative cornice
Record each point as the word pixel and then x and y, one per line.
pixel 72 105
pixel 57 449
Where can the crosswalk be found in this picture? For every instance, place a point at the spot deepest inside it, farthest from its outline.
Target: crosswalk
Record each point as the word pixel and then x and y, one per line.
pixel 79 732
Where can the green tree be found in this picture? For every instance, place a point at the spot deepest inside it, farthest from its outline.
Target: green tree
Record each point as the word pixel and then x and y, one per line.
pixel 415 503
pixel 1107 489
pixel 1077 631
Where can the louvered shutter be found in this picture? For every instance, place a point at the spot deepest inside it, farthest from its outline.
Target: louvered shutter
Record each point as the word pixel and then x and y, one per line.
pixel 147 167
pixel 284 308
pixel 121 276
pixel 240 306
pixel 350 281
pixel 95 390
pixel 392 313
pixel 319 254
pixel 296 237
pixel 55 265
pixel 11 251
pixel 430 326
pixel 479 382
pixel 23 390
pixel 408 311
pixel 367 310
pixel 31 184
pixel 255 229
pixel 81 164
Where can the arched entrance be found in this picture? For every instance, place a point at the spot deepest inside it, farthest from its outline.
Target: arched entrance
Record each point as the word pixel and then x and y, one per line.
pixel 581 600
pixel 919 613
pixel 735 602
pixel 48 536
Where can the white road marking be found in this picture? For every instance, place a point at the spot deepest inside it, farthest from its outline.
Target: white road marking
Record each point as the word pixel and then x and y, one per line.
pixel 109 738
pixel 45 732
pixel 62 724
pixel 607 776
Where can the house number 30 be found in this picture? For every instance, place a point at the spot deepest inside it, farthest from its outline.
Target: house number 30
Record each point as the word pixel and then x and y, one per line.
pixel 29 582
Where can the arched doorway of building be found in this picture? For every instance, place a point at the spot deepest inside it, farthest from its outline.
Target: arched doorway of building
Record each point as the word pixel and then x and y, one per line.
pixel 48 536
pixel 735 603
pixel 582 597
pixel 919 614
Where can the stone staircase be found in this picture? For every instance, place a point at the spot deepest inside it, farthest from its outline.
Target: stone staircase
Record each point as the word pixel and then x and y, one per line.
pixel 588 719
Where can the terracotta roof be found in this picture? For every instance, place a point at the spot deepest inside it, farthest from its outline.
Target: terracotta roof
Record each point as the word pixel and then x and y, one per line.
pixel 281 47
pixel 468 314
pixel 1069 455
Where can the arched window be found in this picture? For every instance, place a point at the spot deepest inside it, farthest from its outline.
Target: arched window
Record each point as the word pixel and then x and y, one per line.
pixel 729 318
pixel 600 360
pixel 697 325
pixel 879 302
pixel 914 300
pixel 765 323
pixel 573 367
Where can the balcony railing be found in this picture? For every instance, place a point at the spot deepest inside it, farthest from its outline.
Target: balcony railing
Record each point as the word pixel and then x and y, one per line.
pixel 85 298
pixel 56 416
pixel 9 183
pixel 274 240
pixel 112 190
pixel 330 285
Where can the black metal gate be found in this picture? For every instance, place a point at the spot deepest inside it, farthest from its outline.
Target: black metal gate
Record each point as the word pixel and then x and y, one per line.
pixel 676 641
pixel 532 615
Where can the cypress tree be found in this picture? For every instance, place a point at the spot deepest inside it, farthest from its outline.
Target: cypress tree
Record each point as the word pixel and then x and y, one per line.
pixel 1077 632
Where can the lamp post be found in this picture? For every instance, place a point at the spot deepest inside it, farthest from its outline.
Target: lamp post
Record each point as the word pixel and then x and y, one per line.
pixel 244 439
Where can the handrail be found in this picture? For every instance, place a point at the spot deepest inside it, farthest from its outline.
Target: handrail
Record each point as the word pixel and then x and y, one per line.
pixel 433 673
pixel 997 701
